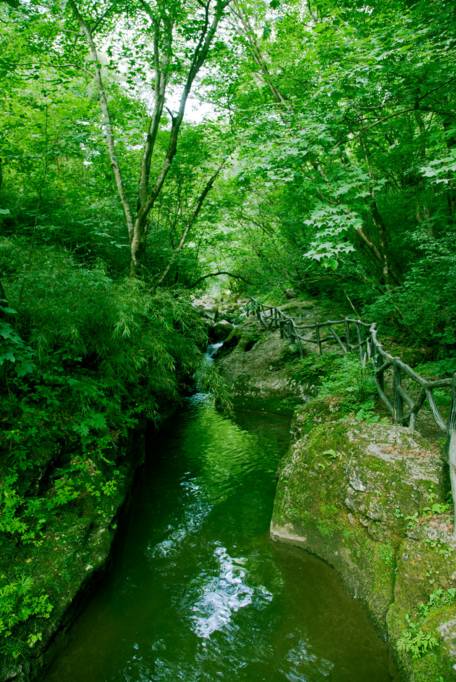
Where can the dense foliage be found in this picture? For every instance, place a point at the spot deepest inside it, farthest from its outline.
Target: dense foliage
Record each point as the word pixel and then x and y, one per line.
pixel 319 157
pixel 347 114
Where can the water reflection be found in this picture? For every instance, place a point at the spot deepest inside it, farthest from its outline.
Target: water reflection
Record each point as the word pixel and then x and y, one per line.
pixel 199 593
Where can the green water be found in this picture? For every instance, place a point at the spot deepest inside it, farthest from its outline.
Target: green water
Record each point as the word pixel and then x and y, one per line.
pixel 198 592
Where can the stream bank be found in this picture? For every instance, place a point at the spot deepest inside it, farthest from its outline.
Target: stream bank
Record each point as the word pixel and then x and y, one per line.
pixel 198 592
pixel 70 559
pixel 368 497
pixel 103 358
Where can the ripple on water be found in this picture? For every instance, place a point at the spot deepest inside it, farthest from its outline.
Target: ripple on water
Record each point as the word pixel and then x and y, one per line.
pixel 196 511
pixel 301 664
pixel 222 595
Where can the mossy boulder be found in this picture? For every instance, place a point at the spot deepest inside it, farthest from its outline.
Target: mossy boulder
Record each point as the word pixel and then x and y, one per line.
pixel 257 370
pixel 258 363
pixel 424 602
pixel 362 497
pixel 64 565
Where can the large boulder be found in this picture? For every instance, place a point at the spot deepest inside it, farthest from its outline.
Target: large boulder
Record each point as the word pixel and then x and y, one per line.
pixel 256 369
pixel 220 330
pixel 256 362
pixel 369 499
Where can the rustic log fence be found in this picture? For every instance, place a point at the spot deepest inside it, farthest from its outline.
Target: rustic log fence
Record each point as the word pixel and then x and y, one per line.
pixel 352 335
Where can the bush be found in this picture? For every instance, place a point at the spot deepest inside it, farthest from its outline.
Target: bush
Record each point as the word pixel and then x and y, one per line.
pixel 311 370
pixel 84 357
pixel 341 376
pixel 19 602
pixel 354 384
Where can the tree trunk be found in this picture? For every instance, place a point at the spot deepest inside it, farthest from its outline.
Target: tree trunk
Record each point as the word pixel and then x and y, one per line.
pixel 193 218
pixel 138 245
pixel 383 242
pixel 3 300
pixel 106 117
pixel 137 221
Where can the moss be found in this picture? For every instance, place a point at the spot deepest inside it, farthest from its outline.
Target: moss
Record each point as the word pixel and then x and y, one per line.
pixel 387 555
pixel 316 411
pixel 358 495
pixel 62 565
pixel 326 528
pixel 425 567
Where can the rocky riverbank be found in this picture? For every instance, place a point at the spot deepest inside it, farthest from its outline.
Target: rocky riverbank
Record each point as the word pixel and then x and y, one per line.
pixel 365 495
pixel 66 564
pixel 370 500
pixel 257 364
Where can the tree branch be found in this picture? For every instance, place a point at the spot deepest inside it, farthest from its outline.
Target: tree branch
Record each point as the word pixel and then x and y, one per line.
pixel 218 274
pixel 161 81
pixel 193 218
pixel 257 53
pixel 207 34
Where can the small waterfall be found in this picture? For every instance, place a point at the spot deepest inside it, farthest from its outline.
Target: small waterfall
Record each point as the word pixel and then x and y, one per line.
pixel 201 395
pixel 212 350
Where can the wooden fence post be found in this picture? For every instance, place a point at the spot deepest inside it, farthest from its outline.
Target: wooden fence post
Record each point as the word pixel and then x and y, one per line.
pixel 380 375
pixel 360 343
pixel 398 400
pixel 347 336
pixel 318 335
pixel 365 351
pixel 452 448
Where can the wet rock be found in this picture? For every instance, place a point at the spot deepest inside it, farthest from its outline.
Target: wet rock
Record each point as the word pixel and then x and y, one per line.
pixel 221 330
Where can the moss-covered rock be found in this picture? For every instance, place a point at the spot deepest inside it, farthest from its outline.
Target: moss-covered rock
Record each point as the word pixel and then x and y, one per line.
pixel 259 364
pixel 363 496
pixel 256 368
pixel 424 602
pixel 63 565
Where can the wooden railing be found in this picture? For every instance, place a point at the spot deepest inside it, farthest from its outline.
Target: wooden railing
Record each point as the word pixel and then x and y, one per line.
pixel 407 392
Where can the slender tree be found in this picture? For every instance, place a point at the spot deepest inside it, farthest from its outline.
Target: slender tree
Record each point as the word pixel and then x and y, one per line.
pixel 163 18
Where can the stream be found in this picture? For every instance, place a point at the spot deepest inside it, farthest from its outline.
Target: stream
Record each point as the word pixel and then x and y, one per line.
pixel 198 592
